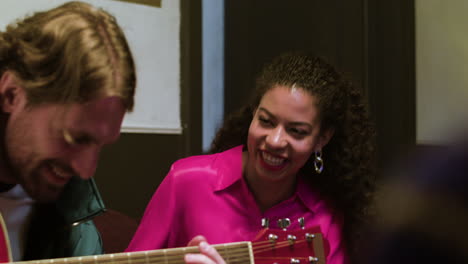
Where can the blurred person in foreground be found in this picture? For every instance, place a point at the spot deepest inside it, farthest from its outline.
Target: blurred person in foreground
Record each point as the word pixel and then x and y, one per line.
pixel 423 209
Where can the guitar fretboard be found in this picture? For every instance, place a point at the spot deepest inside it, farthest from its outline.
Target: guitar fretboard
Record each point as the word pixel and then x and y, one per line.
pixel 233 253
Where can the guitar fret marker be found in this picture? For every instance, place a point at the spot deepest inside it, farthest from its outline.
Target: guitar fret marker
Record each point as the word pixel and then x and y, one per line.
pixel 226 254
pixel 146 257
pixel 129 258
pixel 165 255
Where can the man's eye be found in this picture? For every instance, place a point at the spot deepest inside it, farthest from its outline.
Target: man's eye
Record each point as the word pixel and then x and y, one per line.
pixel 79 140
pixel 82 140
pixel 68 138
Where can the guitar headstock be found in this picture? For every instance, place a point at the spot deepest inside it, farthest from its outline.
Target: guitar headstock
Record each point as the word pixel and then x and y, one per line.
pixel 282 246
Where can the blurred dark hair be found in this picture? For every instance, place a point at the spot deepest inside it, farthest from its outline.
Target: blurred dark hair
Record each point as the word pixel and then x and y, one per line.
pixel 423 209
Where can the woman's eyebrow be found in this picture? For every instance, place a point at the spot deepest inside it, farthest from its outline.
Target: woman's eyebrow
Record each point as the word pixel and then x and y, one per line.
pixel 294 123
pixel 263 109
pixel 301 124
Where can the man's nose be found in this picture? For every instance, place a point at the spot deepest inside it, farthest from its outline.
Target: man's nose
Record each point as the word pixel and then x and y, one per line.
pixel 277 138
pixel 84 162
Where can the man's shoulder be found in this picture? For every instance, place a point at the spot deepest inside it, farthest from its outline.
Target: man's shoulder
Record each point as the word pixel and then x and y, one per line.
pixel 80 201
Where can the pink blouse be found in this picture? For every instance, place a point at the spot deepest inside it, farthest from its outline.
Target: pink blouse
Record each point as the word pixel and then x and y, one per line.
pixel 207 195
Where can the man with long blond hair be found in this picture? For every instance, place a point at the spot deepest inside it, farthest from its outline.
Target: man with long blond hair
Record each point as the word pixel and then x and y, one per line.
pixel 67 78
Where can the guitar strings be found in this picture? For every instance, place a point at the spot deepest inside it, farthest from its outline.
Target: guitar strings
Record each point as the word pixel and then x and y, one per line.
pixel 236 255
pixel 267 245
pixel 231 253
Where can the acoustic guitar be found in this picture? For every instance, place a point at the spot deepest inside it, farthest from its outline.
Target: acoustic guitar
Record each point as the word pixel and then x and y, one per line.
pixel 271 246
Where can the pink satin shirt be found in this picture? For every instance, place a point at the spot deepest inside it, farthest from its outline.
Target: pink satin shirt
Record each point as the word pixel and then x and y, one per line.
pixel 207 195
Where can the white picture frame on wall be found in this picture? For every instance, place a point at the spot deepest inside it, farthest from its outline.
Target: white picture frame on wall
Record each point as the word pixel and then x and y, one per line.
pixel 153 33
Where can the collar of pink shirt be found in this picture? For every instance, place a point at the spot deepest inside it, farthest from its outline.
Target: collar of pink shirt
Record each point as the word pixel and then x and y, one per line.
pixel 231 172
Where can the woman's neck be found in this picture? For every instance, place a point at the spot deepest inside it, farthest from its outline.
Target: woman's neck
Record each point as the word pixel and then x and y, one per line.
pixel 268 193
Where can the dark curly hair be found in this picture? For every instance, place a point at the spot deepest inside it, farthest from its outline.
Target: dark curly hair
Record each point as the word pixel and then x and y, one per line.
pixel 347 181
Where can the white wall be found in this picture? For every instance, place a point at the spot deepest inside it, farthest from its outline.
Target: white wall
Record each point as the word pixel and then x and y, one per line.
pixel 441 69
pixel 213 69
pixel 154 37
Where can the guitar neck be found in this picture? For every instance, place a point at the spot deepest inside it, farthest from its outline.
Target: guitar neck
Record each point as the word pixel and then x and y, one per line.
pixel 304 245
pixel 233 253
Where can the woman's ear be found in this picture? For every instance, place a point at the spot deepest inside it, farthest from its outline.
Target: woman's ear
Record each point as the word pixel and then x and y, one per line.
pixel 11 92
pixel 325 137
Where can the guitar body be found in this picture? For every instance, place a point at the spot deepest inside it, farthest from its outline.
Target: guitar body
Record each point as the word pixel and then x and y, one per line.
pixel 5 254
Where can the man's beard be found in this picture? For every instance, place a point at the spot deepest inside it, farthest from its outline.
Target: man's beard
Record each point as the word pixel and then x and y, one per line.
pixel 35 187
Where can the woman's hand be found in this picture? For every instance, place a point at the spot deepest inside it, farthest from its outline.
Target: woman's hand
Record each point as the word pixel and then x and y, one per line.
pixel 208 254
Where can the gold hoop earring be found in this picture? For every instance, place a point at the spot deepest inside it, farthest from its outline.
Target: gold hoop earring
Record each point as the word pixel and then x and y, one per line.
pixel 318 162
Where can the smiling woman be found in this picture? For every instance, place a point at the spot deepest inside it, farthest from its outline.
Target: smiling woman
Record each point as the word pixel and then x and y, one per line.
pixel 284 133
pixel 302 150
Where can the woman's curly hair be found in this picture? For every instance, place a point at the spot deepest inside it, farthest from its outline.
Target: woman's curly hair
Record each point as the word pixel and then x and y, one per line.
pixel 347 181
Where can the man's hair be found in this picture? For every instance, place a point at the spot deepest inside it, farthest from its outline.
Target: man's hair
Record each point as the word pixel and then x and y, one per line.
pixel 70 54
